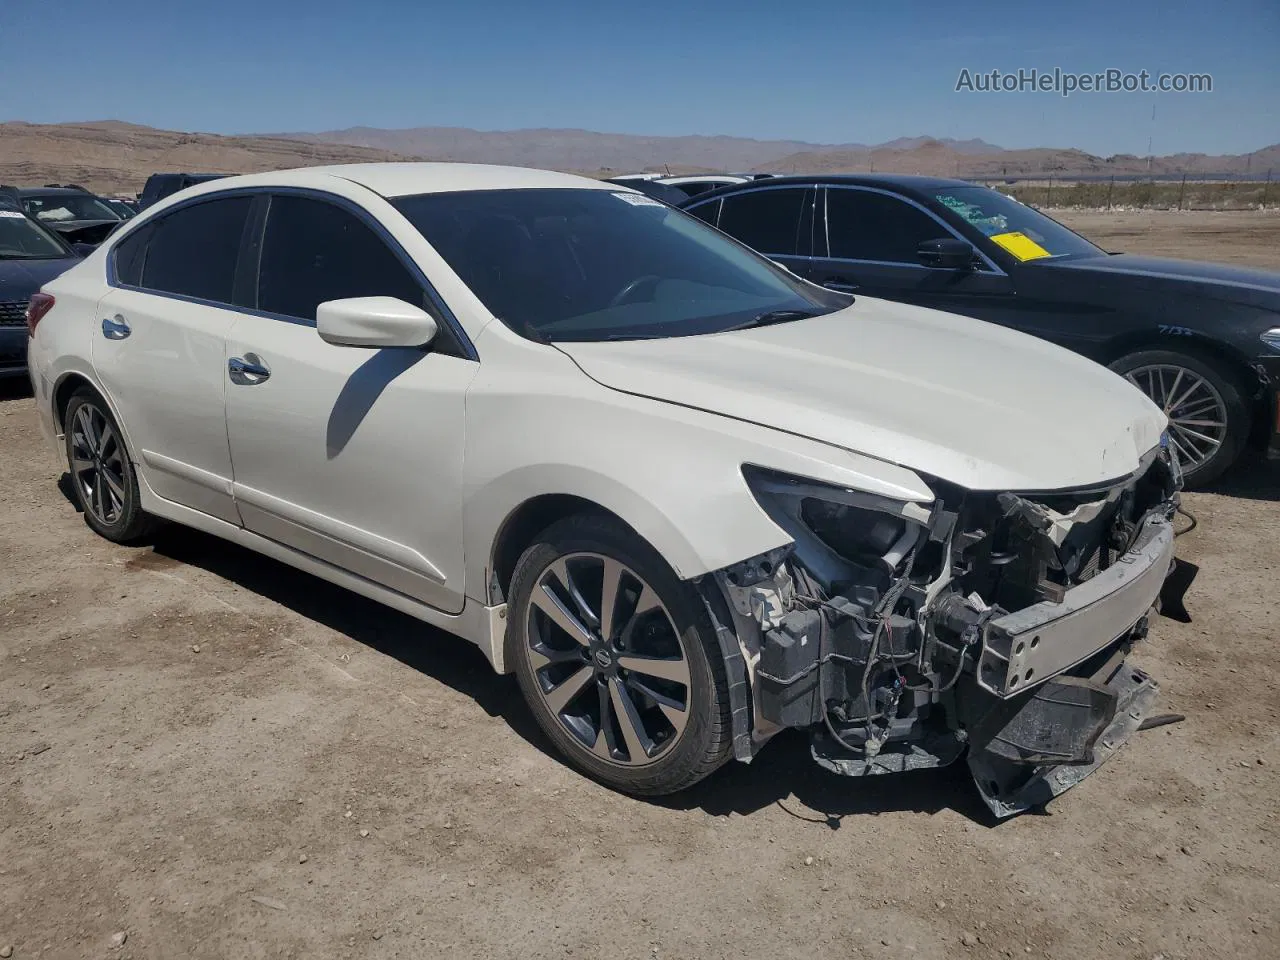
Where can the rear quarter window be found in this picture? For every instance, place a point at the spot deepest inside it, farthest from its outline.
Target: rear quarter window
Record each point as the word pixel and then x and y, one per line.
pixel 193 251
pixel 129 255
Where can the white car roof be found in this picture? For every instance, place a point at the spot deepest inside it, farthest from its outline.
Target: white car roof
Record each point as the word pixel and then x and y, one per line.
pixel 706 178
pixel 406 179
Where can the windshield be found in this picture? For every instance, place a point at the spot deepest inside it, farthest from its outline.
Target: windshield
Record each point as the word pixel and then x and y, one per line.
pixel 1025 233
pixel 557 264
pixel 123 210
pixel 57 207
pixel 20 239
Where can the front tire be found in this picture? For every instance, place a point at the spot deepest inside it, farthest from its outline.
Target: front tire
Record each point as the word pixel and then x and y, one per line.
pixel 617 659
pixel 102 475
pixel 1209 421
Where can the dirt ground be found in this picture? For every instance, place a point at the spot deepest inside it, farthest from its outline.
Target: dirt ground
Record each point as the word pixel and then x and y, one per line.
pixel 1246 238
pixel 216 756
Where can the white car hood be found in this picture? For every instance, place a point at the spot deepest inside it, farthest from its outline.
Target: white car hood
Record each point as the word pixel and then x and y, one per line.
pixel 960 399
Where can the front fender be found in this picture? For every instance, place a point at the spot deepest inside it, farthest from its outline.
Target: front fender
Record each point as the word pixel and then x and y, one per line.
pixel 674 474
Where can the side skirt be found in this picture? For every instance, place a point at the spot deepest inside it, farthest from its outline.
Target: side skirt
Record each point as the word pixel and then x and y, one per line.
pixel 484 626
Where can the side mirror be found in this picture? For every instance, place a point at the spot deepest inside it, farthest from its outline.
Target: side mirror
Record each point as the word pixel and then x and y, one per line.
pixel 374 322
pixel 84 249
pixel 947 253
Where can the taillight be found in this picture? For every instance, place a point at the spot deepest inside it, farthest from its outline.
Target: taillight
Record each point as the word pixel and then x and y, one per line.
pixel 41 303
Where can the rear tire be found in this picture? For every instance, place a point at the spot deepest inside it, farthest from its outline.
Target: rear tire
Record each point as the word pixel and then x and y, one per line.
pixel 632 693
pixel 1209 420
pixel 102 475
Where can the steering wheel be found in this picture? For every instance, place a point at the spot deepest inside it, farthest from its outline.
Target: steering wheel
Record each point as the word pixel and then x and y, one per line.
pixel 623 295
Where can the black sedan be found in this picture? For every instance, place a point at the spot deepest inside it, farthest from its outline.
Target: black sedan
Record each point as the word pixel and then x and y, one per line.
pixel 30 256
pixel 1201 339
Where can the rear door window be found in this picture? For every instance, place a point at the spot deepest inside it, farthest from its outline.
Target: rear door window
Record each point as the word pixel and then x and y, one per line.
pixel 314 251
pixel 768 221
pixel 193 251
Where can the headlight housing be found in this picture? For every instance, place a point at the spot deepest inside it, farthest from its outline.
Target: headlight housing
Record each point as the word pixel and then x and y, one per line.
pixel 837 531
pixel 1272 339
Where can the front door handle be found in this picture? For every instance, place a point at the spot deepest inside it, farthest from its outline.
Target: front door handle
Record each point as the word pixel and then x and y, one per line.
pixel 114 328
pixel 840 284
pixel 248 370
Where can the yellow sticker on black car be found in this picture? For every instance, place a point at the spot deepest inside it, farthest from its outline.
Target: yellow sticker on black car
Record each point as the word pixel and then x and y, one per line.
pixel 1021 246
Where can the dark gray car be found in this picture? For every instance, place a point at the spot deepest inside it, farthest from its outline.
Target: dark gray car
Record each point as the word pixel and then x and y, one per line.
pixel 30 256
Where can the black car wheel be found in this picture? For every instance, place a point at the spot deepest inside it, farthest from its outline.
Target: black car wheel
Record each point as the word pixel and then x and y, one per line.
pixel 617 659
pixel 1208 419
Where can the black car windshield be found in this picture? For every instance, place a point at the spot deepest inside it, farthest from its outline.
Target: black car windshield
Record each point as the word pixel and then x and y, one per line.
pixel 59 207
pixel 121 209
pixel 587 264
pixel 1023 232
pixel 20 239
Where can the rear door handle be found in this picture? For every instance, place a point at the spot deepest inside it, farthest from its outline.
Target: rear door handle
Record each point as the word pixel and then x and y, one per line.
pixel 248 370
pixel 836 283
pixel 114 328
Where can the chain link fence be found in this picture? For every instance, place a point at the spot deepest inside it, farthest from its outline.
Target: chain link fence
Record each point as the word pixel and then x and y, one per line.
pixel 1157 192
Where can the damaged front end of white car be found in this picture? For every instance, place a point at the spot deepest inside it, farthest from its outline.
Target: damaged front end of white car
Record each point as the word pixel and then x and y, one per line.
pixel 902 635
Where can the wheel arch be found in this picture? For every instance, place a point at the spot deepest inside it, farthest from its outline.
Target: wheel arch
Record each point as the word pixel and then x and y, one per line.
pixel 520 529
pixel 693 536
pixel 64 386
pixel 62 392
pixel 1232 363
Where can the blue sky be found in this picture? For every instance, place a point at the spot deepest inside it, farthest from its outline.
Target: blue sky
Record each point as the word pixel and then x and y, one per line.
pixel 821 71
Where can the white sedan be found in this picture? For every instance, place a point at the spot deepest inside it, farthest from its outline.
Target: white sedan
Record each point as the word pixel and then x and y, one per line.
pixel 688 498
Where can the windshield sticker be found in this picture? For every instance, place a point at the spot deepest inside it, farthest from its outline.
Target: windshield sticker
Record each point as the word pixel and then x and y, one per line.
pixel 1021 246
pixel 12 214
pixel 639 200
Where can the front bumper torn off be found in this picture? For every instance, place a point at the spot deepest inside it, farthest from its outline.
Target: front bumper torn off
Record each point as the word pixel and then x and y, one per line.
pixel 996 626
pixel 1009 787
pixel 1047 638
pixel 1037 741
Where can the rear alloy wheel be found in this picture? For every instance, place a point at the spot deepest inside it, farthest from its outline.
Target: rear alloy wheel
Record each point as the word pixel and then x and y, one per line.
pixel 101 473
pixel 616 659
pixel 1208 420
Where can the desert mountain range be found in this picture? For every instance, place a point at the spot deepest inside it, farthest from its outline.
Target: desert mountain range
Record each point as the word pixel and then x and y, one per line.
pixel 112 156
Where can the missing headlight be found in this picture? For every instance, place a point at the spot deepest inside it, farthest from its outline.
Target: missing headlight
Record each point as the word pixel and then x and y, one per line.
pixel 859 535
pixel 842 536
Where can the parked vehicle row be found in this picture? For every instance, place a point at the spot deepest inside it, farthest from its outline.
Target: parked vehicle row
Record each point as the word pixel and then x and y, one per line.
pixel 1202 340
pixel 78 215
pixel 43 230
pixel 30 256
pixel 688 497
pixel 682 187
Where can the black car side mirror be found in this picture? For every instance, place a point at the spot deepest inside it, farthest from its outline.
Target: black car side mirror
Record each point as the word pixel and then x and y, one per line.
pixel 84 249
pixel 947 253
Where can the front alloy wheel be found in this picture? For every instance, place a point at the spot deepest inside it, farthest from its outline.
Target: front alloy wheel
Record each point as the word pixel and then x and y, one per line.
pixel 607 659
pixel 617 659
